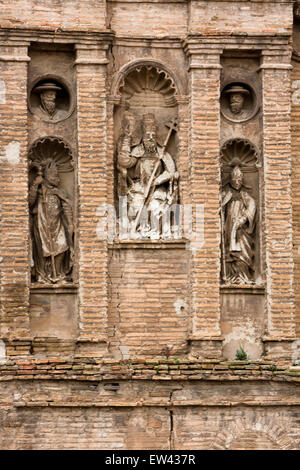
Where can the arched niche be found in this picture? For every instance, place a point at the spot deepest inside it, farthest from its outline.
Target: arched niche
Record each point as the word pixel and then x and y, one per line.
pixel 52 211
pixel 56 148
pixel 140 89
pixel 260 433
pixel 145 87
pixel 128 68
pixel 240 244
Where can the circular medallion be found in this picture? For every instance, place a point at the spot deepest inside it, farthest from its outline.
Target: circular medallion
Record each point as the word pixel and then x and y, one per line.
pixel 238 102
pixel 50 99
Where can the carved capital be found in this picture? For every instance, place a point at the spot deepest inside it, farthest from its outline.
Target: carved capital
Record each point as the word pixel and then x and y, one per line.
pixel 14 52
pixel 87 54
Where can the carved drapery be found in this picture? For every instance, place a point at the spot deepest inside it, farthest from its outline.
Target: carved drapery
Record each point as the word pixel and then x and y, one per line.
pixel 51 204
pixel 145 125
pixel 239 212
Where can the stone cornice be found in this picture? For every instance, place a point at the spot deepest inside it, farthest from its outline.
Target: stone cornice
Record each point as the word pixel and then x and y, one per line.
pixel 214 45
pixel 18 36
pixel 21 36
pixel 170 42
pixel 231 41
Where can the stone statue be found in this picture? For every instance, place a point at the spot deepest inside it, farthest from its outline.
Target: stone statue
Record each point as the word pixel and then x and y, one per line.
pixel 238 230
pixel 48 94
pixel 237 96
pixel 148 177
pixel 52 227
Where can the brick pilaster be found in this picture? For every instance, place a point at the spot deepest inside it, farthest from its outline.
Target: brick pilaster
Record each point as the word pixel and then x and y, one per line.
pixel 204 73
pixel 277 229
pixel 14 220
pixel 91 97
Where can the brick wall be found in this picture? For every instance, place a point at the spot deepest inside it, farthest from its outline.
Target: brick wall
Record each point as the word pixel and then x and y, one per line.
pixel 126 374
pixel 14 238
pixel 277 182
pixel 91 68
pixel 48 14
pixel 149 301
pixel 204 146
pixel 240 17
pixel 295 127
pixel 148 415
pixel 150 19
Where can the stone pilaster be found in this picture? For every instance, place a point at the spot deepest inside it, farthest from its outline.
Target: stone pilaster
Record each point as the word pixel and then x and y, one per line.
pixel 277 229
pixel 91 64
pixel 14 219
pixel 204 70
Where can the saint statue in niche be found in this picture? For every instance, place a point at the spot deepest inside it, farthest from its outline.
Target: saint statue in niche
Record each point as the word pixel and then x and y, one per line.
pixel 52 226
pixel 238 231
pixel 148 178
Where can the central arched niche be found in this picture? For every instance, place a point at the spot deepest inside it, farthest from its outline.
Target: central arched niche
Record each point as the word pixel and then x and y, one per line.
pixel 146 91
pixel 149 86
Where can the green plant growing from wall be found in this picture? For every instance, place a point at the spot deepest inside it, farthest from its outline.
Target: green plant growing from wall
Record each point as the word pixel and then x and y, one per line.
pixel 241 354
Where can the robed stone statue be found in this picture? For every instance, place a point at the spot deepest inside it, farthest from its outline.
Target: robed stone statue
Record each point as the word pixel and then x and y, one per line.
pixel 149 180
pixel 238 231
pixel 52 227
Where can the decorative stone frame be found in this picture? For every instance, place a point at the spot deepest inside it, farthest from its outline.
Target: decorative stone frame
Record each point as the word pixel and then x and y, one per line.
pixel 254 98
pixel 118 80
pixel 67 87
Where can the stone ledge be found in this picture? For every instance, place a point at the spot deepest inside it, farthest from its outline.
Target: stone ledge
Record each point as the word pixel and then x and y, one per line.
pixel 153 403
pixel 236 289
pixel 56 35
pixel 149 244
pixel 53 289
pixel 160 370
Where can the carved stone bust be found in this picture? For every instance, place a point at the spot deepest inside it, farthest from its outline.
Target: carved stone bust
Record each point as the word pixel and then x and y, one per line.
pixel 238 102
pixel 50 100
pixel 48 92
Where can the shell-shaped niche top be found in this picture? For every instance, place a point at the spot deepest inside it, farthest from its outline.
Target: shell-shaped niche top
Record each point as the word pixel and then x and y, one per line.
pixel 239 152
pixel 52 148
pixel 148 86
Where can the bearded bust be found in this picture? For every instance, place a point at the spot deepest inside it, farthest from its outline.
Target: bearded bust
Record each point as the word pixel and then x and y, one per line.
pixel 48 95
pixel 237 102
